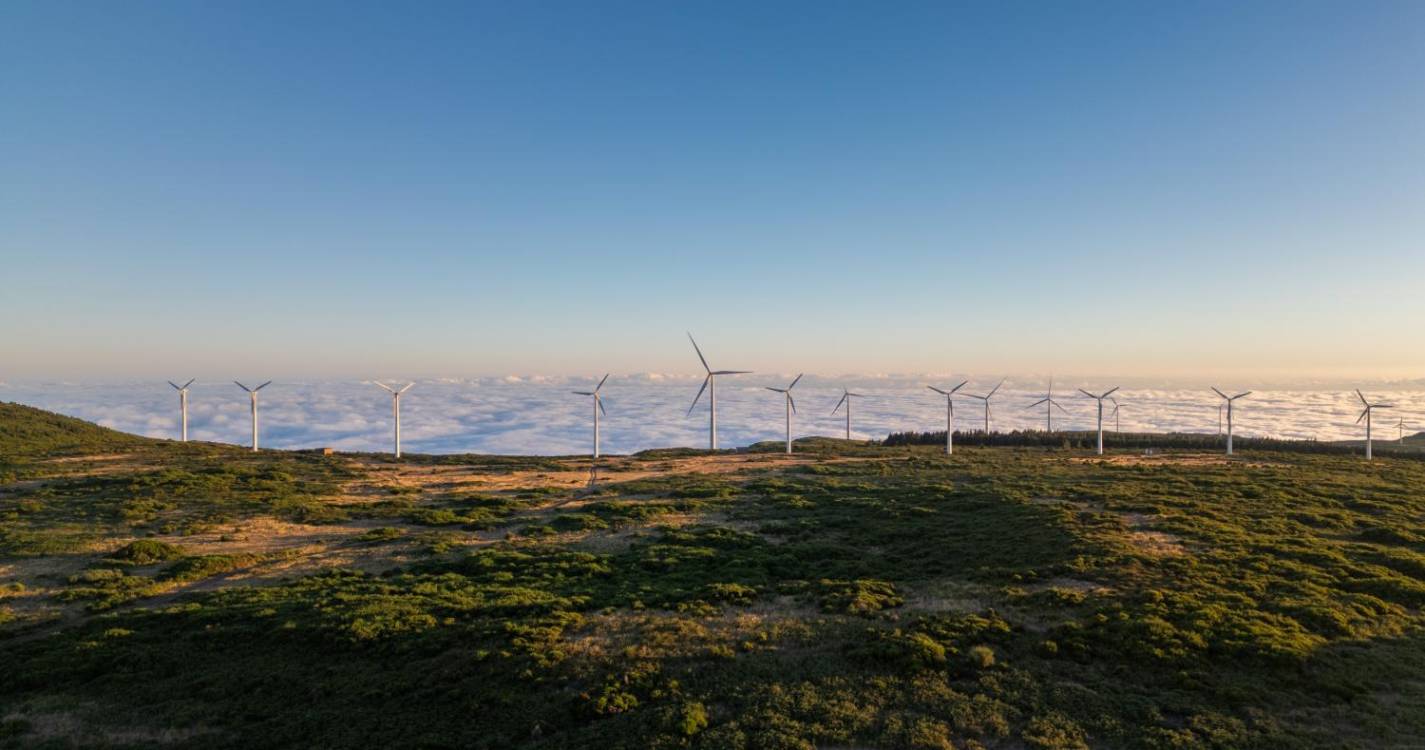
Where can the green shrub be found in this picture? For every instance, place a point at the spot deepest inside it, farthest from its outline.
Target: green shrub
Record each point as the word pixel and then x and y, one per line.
pixel 147 552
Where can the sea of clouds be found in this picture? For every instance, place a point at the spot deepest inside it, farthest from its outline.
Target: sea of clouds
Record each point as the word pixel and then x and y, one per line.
pixel 539 415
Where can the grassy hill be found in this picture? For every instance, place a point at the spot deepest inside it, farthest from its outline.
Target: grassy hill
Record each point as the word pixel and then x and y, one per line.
pixel 852 595
pixel 27 431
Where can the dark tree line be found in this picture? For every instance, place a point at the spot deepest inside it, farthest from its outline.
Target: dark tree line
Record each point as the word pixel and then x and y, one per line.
pixel 1138 440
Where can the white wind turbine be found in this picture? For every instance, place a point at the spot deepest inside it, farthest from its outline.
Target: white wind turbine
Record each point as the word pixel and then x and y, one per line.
pixel 1049 405
pixel 711 379
pixel 949 415
pixel 1401 426
pixel 252 393
pixel 1117 428
pixel 183 404
pixel 846 397
pixel 396 410
pixel 986 398
pixel 598 407
pixel 791 407
pixel 1100 399
pixel 1230 401
pixel 1366 415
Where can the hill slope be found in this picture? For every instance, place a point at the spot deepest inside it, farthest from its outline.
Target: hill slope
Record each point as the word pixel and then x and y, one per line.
pixel 27 431
pixel 851 595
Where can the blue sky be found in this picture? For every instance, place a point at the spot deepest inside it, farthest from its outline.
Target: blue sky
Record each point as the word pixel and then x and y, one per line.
pixel 362 189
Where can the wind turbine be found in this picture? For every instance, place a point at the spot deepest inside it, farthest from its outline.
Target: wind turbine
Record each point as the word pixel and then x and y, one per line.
pixel 1100 399
pixel 396 410
pixel 1366 415
pixel 949 415
pixel 711 379
pixel 846 397
pixel 1230 400
pixel 1049 404
pixel 598 407
pixel 791 407
pixel 1401 425
pixel 1117 428
pixel 183 403
pixel 252 393
pixel 986 398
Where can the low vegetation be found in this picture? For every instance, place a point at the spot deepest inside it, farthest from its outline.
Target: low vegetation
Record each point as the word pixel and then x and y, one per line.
pixel 854 595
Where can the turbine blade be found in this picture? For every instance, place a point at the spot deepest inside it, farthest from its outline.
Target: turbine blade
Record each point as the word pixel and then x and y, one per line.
pixel 997 385
pixel 1110 391
pixel 958 387
pixel 1384 406
pixel 700 392
pixel 582 393
pixel 1363 415
pixel 794 382
pixel 1240 395
pixel 839 403
pixel 600 402
pixel 383 386
pixel 778 390
pixel 264 385
pixel 937 390
pixel 1362 397
pixel 407 388
pixel 1220 393
pixel 700 353
pixel 791 401
pixel 245 388
pixel 1036 403
pixel 1062 409
pixel 1086 393
pixel 175 385
pixel 733 372
pixel 601 383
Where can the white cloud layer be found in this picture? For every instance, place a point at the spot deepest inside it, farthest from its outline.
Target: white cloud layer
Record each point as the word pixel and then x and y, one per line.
pixel 527 415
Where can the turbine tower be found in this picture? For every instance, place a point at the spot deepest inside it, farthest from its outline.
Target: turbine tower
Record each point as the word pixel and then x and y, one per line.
pixel 1401 426
pixel 396 410
pixel 1366 415
pixel 1100 399
pixel 252 393
pixel 598 407
pixel 949 415
pixel 846 397
pixel 710 380
pixel 1049 405
pixel 986 398
pixel 1230 400
pixel 791 407
pixel 183 404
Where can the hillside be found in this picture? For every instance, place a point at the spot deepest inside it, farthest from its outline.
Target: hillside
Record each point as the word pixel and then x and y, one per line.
pixel 27 431
pixel 851 595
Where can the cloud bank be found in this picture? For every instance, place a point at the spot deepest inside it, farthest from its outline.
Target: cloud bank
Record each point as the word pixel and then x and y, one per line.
pixel 539 415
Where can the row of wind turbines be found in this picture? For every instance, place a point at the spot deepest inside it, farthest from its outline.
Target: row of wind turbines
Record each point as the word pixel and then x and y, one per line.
pixel 709 386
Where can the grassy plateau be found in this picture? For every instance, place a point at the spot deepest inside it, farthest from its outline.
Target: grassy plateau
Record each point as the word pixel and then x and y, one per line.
pixel 853 595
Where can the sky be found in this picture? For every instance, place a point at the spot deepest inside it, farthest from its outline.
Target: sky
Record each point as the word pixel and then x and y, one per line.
pixel 1201 190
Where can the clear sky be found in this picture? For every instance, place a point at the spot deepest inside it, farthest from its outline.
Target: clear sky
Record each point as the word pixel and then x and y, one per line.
pixel 357 189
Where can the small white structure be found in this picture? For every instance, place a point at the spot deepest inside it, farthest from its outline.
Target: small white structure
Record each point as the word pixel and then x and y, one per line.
pixel 791 407
pixel 1230 400
pixel 949 415
pixel 396 410
pixel 846 397
pixel 183 405
pixel 1049 405
pixel 1100 399
pixel 598 407
pixel 710 380
pixel 1366 415
pixel 252 394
